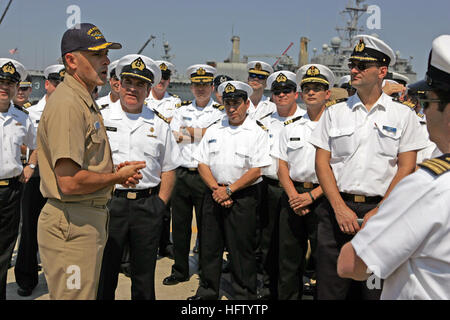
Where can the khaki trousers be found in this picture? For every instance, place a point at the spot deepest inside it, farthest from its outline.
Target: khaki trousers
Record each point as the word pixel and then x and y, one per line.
pixel 71 239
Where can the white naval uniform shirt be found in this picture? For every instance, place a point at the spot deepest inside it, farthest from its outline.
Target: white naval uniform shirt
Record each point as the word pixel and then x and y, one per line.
pixel 230 151
pixel 274 123
pixel 364 145
pixel 265 107
pixel 165 106
pixel 104 100
pixel 148 139
pixel 15 129
pixel 294 148
pixel 35 111
pixel 407 241
pixel 195 117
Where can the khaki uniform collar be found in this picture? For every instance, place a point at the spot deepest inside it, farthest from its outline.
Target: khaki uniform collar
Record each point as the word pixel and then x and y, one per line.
pixel 80 90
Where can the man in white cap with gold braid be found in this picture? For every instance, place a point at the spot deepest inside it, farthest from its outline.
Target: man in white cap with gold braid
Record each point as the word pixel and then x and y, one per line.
pixel 230 157
pixel 189 123
pixel 114 84
pixel 283 86
pixel 16 129
pixel 406 242
pixel 137 132
pixel 365 146
pixel 261 106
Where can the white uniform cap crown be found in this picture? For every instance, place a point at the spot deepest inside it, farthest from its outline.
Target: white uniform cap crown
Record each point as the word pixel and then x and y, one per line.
pixel 139 66
pixel 201 73
pixel 281 76
pixel 373 43
pixel 168 64
pixel 10 67
pixel 234 86
pixel 54 68
pixel 315 73
pixel 259 67
pixel 344 80
pixel 112 66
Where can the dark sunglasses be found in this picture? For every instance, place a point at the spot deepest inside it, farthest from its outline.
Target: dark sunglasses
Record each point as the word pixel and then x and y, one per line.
pixel 277 92
pixel 315 89
pixel 361 65
pixel 24 88
pixel 425 103
pixel 259 76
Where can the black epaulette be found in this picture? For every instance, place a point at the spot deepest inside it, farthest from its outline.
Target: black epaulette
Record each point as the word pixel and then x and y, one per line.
pixel 183 103
pixel 437 166
pixel 270 113
pixel 103 106
pixel 218 106
pixel 292 120
pixel 34 102
pixel 173 95
pixel 27 105
pixel 333 102
pixel 213 123
pixel 259 123
pixel 410 105
pixel 21 109
pixel 161 116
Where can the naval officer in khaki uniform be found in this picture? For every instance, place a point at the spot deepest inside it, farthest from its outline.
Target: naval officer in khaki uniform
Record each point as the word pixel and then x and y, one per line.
pixel 77 170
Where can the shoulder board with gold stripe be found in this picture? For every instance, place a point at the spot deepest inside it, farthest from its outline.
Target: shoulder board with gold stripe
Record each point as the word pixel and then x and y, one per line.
pixel 218 106
pixel 259 123
pixel 292 120
pixel 410 105
pixel 183 103
pixel 332 102
pixel 103 106
pixel 437 166
pixel 173 95
pixel 270 113
pixel 21 109
pixel 213 123
pixel 161 116
pixel 27 104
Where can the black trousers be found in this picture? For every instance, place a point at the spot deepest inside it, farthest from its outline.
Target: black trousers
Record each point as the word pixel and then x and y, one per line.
pixel 268 228
pixel 136 222
pixel 330 241
pixel 26 268
pixel 187 194
pixel 234 227
pixel 9 228
pixel 295 231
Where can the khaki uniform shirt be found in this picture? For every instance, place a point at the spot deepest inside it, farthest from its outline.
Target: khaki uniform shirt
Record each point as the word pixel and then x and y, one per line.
pixel 71 127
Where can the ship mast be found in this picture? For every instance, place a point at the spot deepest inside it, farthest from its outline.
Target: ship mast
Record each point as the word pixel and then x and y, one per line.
pixel 354 11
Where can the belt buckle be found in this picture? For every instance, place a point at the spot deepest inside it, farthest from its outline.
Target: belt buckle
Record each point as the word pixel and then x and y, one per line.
pixel 192 169
pixel 4 183
pixel 308 185
pixel 360 198
pixel 131 195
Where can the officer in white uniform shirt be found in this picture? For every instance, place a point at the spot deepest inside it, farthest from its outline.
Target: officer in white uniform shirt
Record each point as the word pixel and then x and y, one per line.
pixel 406 242
pixel 230 157
pixel 296 171
pixel 365 145
pixel 138 133
pixel 26 268
pixel 159 99
pixel 260 105
pixel 284 91
pixel 16 129
pixel 189 123
pixel 114 84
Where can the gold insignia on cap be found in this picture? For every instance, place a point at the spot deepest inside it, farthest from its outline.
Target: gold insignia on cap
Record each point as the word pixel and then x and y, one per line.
pixel 312 71
pixel 138 64
pixel 201 71
pixel 281 78
pixel 230 88
pixel 258 66
pixel 163 66
pixel 9 68
pixel 360 46
pixel 62 73
pixel 96 33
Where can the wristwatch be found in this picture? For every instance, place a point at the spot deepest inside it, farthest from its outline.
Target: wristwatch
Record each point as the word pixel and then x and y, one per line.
pixel 228 190
pixel 32 166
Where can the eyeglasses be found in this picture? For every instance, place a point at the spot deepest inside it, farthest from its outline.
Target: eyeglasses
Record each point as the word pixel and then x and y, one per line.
pixel 361 65
pixel 315 89
pixel 277 92
pixel 24 88
pixel 259 76
pixel 426 102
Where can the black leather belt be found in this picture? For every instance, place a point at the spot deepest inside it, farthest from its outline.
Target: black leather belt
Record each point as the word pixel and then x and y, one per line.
pixel 191 170
pixel 360 198
pixel 134 194
pixel 305 185
pixel 8 182
pixel 272 182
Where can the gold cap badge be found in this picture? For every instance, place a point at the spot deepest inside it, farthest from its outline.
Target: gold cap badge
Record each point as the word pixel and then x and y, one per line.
pixel 281 78
pixel 201 72
pixel 163 66
pixel 258 66
pixel 312 71
pixel 138 64
pixel 9 68
pixel 360 46
pixel 230 88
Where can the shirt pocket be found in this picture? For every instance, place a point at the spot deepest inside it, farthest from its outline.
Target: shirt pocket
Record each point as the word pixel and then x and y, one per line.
pixel 343 141
pixel 388 139
pixel 293 149
pixel 242 158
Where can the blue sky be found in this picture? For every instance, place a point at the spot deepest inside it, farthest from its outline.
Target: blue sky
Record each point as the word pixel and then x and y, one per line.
pixel 200 31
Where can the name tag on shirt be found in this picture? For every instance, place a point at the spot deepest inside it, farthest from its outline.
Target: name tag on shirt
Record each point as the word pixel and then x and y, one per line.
pixel 294 139
pixel 212 141
pixel 111 129
pixel 187 118
pixel 390 129
pixel 37 121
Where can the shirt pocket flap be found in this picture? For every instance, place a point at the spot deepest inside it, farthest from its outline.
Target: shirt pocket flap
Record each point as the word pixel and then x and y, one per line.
pixel 295 144
pixel 150 150
pixel 340 132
